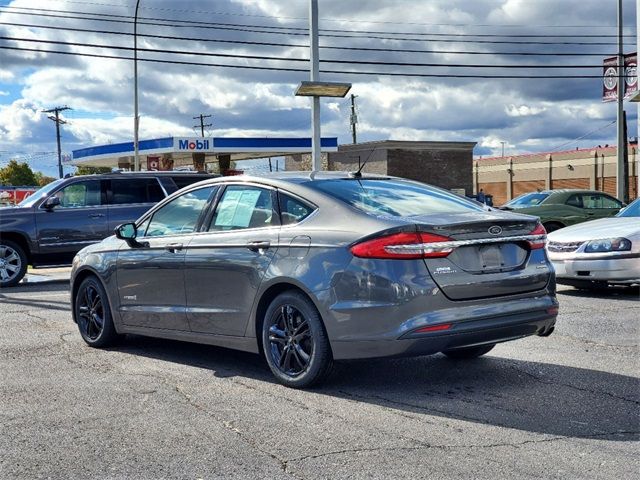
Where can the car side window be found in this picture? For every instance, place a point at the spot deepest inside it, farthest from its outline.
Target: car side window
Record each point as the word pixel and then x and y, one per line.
pixel 80 194
pixel 575 201
pixel 604 201
pixel 135 190
pixel 243 207
pixel 292 210
pixel 180 215
pixel 593 201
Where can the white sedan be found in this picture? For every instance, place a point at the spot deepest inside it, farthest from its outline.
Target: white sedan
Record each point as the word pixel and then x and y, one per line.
pixel 600 252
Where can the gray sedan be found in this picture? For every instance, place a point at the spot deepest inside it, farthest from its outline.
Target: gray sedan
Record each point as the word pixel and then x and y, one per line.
pixel 307 269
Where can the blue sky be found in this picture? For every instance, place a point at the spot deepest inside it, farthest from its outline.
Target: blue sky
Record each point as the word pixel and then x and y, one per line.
pixel 527 114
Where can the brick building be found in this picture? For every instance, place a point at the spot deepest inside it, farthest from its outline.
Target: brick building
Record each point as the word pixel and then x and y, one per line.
pixel 595 169
pixel 445 164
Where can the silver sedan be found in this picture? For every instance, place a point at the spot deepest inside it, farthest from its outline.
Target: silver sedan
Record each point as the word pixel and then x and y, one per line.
pixel 594 254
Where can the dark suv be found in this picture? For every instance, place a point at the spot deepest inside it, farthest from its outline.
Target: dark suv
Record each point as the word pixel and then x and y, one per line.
pixel 53 224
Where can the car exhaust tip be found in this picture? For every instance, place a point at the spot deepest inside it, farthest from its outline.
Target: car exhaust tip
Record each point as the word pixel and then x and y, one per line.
pixel 547 332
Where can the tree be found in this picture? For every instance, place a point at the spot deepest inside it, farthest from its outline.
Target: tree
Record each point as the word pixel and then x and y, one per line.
pixel 18 174
pixel 43 179
pixel 89 170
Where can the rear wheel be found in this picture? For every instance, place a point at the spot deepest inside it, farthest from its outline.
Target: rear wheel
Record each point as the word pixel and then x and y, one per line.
pixel 93 314
pixel 13 263
pixel 467 353
pixel 295 343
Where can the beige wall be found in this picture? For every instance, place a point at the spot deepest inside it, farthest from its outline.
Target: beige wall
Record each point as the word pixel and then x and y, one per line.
pixel 508 177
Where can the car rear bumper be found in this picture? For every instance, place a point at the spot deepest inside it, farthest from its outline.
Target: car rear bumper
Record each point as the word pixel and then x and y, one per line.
pixel 618 270
pixel 476 326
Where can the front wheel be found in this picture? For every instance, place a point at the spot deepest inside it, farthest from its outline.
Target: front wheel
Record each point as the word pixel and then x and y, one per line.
pixel 294 341
pixel 467 353
pixel 13 263
pixel 93 314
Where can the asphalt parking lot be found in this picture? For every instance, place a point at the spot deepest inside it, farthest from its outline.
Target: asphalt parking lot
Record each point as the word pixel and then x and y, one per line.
pixel 566 406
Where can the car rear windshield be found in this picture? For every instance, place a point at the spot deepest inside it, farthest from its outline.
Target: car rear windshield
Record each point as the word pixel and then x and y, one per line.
pixel 527 200
pixel 397 198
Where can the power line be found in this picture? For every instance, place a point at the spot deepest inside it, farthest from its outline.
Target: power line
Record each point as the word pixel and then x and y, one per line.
pixel 290 45
pixel 256 29
pixel 286 69
pixel 344 20
pixel 289 59
pixel 305 29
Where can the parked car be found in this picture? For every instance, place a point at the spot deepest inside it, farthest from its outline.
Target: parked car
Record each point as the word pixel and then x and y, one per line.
pixel 561 208
pixel 601 252
pixel 50 226
pixel 312 268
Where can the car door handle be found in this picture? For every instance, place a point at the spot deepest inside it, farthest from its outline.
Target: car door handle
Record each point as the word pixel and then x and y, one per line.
pixel 258 245
pixel 173 247
pixel 96 215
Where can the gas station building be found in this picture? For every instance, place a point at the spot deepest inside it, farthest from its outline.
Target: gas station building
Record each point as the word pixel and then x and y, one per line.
pixel 198 153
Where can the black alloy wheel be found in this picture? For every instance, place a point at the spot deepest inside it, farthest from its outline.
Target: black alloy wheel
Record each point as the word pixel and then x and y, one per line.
pixel 13 263
pixel 294 341
pixel 93 314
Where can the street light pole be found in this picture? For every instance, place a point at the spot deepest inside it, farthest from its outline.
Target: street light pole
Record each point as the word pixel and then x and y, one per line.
pixel 136 118
pixel 316 161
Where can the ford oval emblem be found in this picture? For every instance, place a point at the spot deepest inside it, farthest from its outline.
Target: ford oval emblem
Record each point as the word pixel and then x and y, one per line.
pixel 495 230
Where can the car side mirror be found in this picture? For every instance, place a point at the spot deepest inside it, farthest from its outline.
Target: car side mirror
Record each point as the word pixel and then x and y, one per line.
pixel 51 203
pixel 128 232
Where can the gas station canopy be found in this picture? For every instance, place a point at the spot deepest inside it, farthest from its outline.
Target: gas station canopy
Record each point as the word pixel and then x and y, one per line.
pixel 181 151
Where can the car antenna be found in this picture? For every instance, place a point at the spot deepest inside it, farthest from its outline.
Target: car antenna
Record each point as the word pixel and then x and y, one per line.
pixel 358 173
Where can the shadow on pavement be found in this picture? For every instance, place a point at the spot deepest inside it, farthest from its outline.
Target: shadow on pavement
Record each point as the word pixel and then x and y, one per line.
pixel 609 293
pixel 530 396
pixel 53 296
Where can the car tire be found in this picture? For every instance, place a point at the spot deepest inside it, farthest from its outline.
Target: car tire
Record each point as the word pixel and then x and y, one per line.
pixel 467 353
pixel 13 263
pixel 552 226
pixel 93 314
pixel 295 343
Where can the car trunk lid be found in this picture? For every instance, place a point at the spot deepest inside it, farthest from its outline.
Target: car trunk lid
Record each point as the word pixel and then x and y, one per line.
pixel 492 255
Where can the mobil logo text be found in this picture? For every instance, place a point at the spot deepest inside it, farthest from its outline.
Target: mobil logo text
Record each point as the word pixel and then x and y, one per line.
pixel 193 144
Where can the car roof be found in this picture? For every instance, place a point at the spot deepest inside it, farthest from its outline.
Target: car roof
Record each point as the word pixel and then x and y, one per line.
pixel 569 190
pixel 145 173
pixel 300 177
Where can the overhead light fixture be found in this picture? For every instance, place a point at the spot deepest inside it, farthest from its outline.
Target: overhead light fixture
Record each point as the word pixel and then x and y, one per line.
pixel 322 89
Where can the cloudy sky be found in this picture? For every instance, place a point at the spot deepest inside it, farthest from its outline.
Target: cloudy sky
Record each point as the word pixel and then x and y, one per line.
pixel 415 69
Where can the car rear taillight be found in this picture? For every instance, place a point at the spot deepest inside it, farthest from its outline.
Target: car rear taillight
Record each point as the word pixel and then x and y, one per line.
pixel 404 246
pixel 539 231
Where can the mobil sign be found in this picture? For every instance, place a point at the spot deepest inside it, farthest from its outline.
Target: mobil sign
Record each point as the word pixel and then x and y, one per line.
pixel 197 144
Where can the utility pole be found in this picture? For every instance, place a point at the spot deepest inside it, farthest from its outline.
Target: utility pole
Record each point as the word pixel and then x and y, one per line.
pixel 621 180
pixel 58 121
pixel 354 118
pixel 202 124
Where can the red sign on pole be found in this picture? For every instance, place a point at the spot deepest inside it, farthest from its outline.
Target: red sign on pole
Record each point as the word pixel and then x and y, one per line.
pixel 610 77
